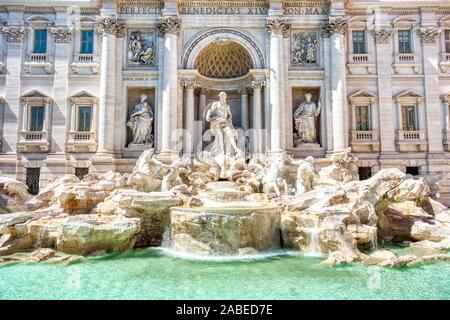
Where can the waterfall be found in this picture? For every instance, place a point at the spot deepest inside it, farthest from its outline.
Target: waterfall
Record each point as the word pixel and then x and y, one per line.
pixel 41 237
pixel 313 248
pixel 166 242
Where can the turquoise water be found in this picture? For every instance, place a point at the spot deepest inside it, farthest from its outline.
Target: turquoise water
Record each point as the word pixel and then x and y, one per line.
pixel 153 274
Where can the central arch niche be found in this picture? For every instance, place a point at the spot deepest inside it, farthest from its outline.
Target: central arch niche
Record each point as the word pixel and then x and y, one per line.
pixel 223 59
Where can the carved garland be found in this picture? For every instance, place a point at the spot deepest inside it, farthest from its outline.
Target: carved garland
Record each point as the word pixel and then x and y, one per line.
pixel 430 34
pixel 383 35
pixel 61 34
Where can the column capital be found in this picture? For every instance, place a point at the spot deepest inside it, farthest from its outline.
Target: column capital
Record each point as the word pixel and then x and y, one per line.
pixel 243 91
pixel 335 25
pixel 258 84
pixel 14 34
pixel 429 34
pixel 61 34
pixel 106 25
pixel 169 25
pixel 277 25
pixel 202 91
pixel 188 83
pixel 383 36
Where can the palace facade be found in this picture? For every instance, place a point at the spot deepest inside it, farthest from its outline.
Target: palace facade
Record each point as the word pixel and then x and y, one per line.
pixel 77 76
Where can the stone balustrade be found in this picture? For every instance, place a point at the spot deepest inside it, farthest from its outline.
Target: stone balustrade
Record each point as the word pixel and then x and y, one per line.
pixel 411 140
pixel 32 141
pixel 365 141
pixel 82 141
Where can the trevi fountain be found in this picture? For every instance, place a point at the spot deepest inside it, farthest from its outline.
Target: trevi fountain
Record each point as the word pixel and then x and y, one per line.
pixel 226 225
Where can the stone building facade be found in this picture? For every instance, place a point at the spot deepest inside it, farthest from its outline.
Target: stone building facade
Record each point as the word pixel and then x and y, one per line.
pixel 73 74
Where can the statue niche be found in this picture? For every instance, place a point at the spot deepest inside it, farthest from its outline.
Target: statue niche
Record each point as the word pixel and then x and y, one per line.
pixel 306 121
pixel 140 122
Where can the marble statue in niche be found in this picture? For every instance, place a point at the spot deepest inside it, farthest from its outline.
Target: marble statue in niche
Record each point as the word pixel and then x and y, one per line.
pixel 140 50
pixel 305 49
pixel 305 119
pixel 141 122
pixel 225 135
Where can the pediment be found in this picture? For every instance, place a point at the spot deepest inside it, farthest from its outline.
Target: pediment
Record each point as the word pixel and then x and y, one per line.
pixel 362 94
pixel 409 94
pixel 34 94
pixel 83 94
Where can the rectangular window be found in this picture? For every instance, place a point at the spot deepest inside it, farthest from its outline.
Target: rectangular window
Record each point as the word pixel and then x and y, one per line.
pixel 404 41
pixel 87 42
pixel 359 42
pixel 362 118
pixel 40 41
pixel 409 118
pixel 36 118
pixel 447 41
pixel 84 118
pixel 33 180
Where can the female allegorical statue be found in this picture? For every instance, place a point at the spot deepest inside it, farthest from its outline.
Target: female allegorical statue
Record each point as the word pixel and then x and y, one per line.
pixel 305 120
pixel 141 122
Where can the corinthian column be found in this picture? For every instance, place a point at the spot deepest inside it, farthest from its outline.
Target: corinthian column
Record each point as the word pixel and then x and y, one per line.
pixel 109 29
pixel 189 85
pixel 276 27
pixel 429 36
pixel 335 30
pixel 257 116
pixel 169 28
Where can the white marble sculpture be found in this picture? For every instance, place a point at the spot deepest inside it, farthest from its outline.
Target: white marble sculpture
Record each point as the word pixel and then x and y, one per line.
pixel 306 175
pixel 225 136
pixel 277 176
pixel 141 122
pixel 305 118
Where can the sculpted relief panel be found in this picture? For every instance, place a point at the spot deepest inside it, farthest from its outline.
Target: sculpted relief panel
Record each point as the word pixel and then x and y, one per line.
pixel 141 48
pixel 304 48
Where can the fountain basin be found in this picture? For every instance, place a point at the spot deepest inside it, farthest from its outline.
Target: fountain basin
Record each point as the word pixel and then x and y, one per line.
pixel 225 231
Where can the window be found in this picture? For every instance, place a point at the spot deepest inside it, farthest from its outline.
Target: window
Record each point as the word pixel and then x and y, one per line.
pixel 404 41
pixel 84 118
pixel 447 41
pixel 36 118
pixel 81 172
pixel 364 173
pixel 362 118
pixel 40 41
pixel 414 171
pixel 33 180
pixel 359 42
pixel 87 42
pixel 409 118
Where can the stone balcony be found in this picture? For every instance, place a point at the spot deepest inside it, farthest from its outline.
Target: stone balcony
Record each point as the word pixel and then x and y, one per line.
pixel 33 141
pixel 85 64
pixel 411 141
pixel 81 141
pixel 39 62
pixel 404 61
pixel 365 141
pixel 446 139
pixel 445 62
pixel 360 63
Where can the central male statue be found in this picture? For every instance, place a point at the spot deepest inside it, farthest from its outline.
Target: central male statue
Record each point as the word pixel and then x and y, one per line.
pixel 219 117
